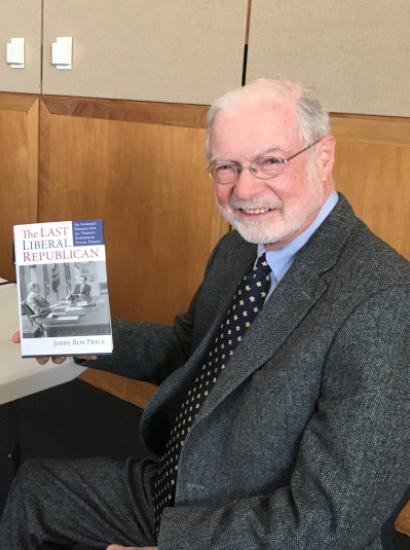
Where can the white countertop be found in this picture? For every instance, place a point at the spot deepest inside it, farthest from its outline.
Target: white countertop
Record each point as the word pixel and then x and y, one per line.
pixel 20 377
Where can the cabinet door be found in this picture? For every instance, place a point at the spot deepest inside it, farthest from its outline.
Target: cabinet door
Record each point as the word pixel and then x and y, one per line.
pixel 142 168
pixel 21 19
pixel 355 53
pixel 372 169
pixel 18 170
pixel 161 50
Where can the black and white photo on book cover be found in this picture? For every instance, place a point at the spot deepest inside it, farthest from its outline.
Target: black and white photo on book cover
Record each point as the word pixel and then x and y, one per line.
pixel 62 288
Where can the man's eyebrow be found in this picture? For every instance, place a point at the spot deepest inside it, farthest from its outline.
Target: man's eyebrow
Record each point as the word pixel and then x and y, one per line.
pixel 274 149
pixel 219 157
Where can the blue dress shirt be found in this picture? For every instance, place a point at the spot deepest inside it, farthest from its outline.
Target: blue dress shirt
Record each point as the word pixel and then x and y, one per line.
pixel 281 259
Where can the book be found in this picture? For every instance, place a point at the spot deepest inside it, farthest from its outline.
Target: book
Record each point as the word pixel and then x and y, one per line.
pixel 62 288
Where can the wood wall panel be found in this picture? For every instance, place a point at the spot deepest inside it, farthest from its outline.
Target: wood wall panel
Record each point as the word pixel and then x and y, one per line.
pixel 18 170
pixel 372 170
pixel 148 181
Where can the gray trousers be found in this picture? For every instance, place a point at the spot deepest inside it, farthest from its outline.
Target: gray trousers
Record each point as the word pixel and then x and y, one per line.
pixel 84 504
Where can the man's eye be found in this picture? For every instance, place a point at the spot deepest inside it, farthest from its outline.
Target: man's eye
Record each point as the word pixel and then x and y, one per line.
pixel 269 161
pixel 224 167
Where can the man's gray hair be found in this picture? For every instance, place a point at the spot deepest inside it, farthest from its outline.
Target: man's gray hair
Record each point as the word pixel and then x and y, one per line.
pixel 313 118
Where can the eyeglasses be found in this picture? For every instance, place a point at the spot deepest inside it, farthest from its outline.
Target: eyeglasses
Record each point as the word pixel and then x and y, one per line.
pixel 266 167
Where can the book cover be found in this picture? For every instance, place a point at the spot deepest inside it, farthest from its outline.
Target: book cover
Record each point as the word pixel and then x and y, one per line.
pixel 62 288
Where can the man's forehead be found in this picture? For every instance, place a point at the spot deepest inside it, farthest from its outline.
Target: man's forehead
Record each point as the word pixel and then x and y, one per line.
pixel 244 108
pixel 255 126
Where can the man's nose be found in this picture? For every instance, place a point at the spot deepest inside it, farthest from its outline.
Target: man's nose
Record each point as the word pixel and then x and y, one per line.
pixel 247 185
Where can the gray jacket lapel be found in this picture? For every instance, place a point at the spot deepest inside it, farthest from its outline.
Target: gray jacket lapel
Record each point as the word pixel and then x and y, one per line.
pixel 279 317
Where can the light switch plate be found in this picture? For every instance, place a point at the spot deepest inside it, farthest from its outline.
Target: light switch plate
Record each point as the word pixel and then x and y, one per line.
pixel 62 52
pixel 15 53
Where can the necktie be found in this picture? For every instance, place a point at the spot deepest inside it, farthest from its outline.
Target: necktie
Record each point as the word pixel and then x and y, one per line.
pixel 246 304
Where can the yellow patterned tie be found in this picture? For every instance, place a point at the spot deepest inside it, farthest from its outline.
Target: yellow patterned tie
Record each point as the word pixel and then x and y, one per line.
pixel 246 304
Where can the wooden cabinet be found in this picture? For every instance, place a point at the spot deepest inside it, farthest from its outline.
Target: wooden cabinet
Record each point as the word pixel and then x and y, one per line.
pixel 19 127
pixel 372 170
pixel 141 167
pixel 139 163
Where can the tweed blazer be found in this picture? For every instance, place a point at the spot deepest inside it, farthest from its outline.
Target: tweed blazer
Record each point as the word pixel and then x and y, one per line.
pixel 86 291
pixel 303 443
pixel 37 303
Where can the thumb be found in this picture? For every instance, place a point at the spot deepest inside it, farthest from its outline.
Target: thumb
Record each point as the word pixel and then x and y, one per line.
pixel 15 337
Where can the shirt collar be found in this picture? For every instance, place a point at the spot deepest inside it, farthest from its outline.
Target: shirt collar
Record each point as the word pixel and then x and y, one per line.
pixel 280 260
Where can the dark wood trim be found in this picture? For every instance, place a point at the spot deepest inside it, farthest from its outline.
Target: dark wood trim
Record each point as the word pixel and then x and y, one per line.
pixel 17 102
pixel 361 116
pixel 386 130
pixel 171 114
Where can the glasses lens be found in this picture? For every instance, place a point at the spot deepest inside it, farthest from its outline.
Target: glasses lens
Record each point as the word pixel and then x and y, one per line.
pixel 223 172
pixel 269 167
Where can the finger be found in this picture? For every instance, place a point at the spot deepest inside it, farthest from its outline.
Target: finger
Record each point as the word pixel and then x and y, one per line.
pixel 58 360
pixel 15 337
pixel 88 357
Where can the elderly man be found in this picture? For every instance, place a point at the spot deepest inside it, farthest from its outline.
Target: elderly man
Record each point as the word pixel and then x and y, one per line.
pixel 82 289
pixel 280 419
pixel 35 301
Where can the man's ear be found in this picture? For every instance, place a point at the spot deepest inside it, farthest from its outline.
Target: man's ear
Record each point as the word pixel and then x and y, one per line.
pixel 326 157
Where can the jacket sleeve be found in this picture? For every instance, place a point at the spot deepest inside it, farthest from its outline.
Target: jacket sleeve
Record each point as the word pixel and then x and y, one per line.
pixel 148 351
pixel 352 465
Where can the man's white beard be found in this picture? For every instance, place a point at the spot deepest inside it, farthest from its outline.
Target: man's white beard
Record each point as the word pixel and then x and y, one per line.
pixel 286 223
pixel 260 231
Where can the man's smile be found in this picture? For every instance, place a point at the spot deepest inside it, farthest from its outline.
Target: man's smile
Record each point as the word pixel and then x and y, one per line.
pixel 254 211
